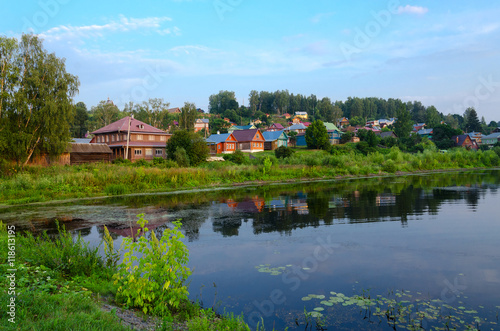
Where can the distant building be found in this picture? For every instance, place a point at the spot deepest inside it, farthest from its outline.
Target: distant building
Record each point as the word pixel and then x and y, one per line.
pixel 200 124
pixel 176 110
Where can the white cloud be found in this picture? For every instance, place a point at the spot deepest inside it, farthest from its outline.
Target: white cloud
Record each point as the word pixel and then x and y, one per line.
pixel 124 24
pixel 319 17
pixel 412 10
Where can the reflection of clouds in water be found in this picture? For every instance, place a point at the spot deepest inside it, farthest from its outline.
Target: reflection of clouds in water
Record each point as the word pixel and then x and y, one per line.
pixel 491 275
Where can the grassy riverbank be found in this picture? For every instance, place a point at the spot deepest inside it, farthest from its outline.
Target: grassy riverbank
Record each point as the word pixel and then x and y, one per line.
pixel 38 184
pixel 62 284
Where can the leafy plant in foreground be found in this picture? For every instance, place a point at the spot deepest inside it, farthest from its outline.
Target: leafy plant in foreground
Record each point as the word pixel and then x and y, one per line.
pixel 156 282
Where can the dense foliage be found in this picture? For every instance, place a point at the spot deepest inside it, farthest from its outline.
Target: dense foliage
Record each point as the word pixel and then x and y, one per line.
pixel 36 100
pixel 317 136
pixel 194 146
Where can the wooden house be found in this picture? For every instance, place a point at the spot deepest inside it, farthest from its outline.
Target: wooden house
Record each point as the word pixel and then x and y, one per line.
pixel 241 127
pixel 200 124
pixel 491 139
pixel 221 143
pixel 143 141
pixel 464 141
pixel 249 140
pixel 275 139
pixel 276 127
pixel 89 153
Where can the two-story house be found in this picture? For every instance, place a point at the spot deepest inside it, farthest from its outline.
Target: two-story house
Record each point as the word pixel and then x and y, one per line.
pixel 142 140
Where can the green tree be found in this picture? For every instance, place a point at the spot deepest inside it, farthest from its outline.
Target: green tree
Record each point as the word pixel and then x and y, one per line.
pixel 357 121
pixel 432 117
pixel 442 134
pixel 471 120
pixel 194 145
pixel 157 112
pixel 254 101
pixel 346 137
pixel 103 114
pixel 36 99
pixel 403 125
pixel 224 100
pixel 317 136
pixel 79 124
pixel 188 116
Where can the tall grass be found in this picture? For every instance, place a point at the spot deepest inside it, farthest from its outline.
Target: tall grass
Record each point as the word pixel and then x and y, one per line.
pixel 61 182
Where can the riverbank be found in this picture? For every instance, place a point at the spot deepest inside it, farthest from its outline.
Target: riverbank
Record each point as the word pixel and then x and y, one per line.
pixel 38 184
pixel 79 292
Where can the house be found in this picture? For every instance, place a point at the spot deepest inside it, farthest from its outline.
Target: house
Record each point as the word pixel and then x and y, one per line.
pixel 250 140
pixel 275 139
pixel 142 140
pixel 276 127
pixel 418 126
pixel 386 134
pixel 477 136
pixel 296 120
pixel 464 141
pixel 299 128
pixel 286 115
pixel 89 153
pixel 256 122
pixel 333 133
pixel 200 124
pixel 491 139
pixel 301 114
pixel 426 133
pixel 496 130
pixel 344 122
pixel 241 127
pixel 221 143
pixel 373 123
pixel 176 110
pixel 75 153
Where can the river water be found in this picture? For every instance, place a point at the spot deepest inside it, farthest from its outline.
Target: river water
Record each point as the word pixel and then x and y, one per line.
pixel 386 253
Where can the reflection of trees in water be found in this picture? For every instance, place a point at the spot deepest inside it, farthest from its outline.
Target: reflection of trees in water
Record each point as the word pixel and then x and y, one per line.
pixel 393 199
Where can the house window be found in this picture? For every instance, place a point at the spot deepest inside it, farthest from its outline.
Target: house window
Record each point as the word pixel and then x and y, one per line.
pixel 159 152
pixel 138 151
pixel 107 139
pixel 139 137
pixel 151 137
pixel 149 152
pixel 124 137
pixel 112 137
pixel 163 138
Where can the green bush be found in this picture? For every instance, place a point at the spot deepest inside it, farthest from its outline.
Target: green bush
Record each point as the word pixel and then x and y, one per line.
pixel 115 189
pixel 141 163
pixel 181 157
pixel 156 283
pixel 283 152
pixel 238 157
pixel 121 161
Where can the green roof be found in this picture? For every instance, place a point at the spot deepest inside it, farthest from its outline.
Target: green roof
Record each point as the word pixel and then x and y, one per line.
pixel 331 127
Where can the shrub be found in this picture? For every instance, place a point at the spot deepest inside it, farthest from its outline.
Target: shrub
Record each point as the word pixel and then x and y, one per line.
pixel 115 189
pixel 389 166
pixel 237 157
pixel 156 283
pixel 283 152
pixel 141 163
pixel 119 160
pixel 181 157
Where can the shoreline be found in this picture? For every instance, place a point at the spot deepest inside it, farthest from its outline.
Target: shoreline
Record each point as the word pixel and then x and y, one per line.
pixel 223 187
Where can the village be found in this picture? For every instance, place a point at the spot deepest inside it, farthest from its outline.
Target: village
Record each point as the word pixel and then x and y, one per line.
pixel 132 139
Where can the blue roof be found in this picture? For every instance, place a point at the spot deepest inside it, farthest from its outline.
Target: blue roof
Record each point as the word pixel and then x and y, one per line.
pixel 244 127
pixel 218 138
pixel 82 140
pixel 425 131
pixel 298 126
pixel 494 135
pixel 272 135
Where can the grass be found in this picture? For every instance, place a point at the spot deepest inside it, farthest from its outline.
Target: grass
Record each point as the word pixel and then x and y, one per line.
pixel 38 184
pixel 60 283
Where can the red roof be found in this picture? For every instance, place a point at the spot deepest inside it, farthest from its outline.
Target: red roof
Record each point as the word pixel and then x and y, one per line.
pixel 122 126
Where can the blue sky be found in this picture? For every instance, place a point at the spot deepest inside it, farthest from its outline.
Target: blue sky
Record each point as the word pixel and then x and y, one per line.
pixel 442 53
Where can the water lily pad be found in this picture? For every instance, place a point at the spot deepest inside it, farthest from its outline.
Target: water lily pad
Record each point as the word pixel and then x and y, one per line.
pixel 316 314
pixel 306 298
pixel 319 309
pixel 326 303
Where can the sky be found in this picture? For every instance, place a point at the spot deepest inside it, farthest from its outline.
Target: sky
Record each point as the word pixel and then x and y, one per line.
pixel 442 53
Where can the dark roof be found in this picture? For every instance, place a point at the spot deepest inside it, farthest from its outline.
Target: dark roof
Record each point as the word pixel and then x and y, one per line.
pixel 244 135
pixel 277 126
pixel 386 134
pixel 122 126
pixel 459 140
pixel 90 148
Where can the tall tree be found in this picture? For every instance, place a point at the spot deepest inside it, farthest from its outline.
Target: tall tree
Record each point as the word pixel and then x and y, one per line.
pixel 103 114
pixel 79 124
pixel 432 117
pixel 36 99
pixel 224 100
pixel 404 123
pixel 157 112
pixel 188 116
pixel 471 120
pixel 254 101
